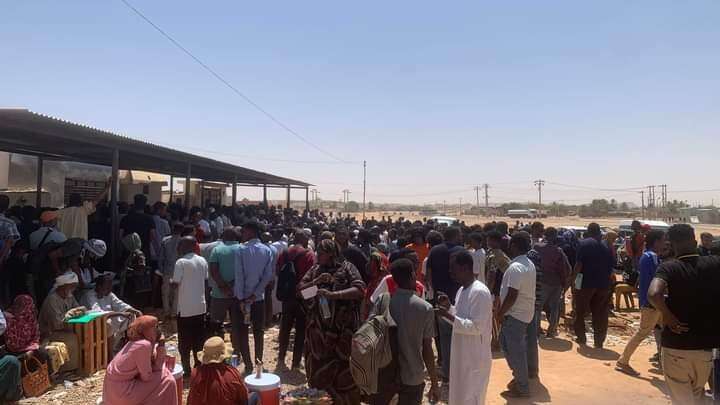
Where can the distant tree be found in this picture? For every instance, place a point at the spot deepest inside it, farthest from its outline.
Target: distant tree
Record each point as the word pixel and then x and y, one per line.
pixel 624 206
pixel 371 206
pixel 353 206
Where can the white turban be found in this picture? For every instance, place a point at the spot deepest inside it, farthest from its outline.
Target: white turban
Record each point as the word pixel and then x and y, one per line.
pixel 65 279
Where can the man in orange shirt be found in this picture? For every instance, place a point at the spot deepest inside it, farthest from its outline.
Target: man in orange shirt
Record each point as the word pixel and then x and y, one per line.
pixel 421 248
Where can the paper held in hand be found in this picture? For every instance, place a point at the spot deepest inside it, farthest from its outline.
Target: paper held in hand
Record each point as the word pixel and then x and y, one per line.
pixel 309 292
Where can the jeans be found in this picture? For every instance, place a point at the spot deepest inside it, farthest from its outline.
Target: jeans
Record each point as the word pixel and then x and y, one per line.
pixel 293 315
pixel 190 338
pixel 445 331
pixel 257 317
pixel 550 296
pixel 219 308
pixel 514 341
pixel 533 357
pixel 408 395
pixel 594 300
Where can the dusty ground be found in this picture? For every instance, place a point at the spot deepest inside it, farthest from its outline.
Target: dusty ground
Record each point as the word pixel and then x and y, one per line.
pixel 550 221
pixel 569 374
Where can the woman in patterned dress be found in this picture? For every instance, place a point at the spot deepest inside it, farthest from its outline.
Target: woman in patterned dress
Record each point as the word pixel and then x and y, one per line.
pixel 329 337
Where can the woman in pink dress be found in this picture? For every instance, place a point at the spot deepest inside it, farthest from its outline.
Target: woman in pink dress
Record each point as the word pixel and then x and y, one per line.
pixel 137 375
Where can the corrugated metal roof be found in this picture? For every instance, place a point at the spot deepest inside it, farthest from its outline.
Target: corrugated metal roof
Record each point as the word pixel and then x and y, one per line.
pixel 24 131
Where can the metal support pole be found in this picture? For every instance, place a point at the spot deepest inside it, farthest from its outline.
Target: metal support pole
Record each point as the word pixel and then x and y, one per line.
pixel 38 196
pixel 364 185
pixel 234 192
pixel 202 194
pixel 288 197
pixel 187 189
pixel 114 217
pixel 265 201
pixel 307 199
pixel 172 183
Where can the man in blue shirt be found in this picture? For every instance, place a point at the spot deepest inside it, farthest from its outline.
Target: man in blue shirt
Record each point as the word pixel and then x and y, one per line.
pixel 253 272
pixel 649 316
pixel 595 263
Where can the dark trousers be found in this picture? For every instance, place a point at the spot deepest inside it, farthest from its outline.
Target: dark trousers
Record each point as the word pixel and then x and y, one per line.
pixel 293 315
pixel 257 317
pixel 190 338
pixel 595 301
pixel 408 395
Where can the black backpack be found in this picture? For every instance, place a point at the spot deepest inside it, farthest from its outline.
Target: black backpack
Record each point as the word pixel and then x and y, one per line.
pixel 287 280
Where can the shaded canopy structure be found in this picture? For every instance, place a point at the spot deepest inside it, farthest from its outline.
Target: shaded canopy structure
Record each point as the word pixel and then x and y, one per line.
pixel 26 132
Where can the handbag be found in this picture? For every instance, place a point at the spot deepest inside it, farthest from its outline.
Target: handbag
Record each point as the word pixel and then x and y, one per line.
pixel 35 383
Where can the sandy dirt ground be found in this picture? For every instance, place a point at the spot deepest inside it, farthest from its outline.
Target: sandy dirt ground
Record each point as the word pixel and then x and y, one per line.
pixel 549 221
pixel 569 374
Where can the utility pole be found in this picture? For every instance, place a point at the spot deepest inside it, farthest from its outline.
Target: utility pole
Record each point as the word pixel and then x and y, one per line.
pixel 346 198
pixel 487 204
pixel 477 196
pixel 540 183
pixel 315 196
pixel 364 185
pixel 642 202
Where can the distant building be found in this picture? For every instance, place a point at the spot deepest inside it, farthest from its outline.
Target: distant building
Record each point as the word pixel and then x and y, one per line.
pixel 700 215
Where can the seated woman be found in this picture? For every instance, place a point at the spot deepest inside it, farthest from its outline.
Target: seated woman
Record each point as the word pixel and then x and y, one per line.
pixel 22 334
pixel 215 382
pixel 59 307
pixel 10 385
pixel 137 375
pixel 121 314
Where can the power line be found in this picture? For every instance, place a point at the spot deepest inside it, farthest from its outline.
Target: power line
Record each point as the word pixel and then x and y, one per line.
pixel 593 188
pixel 229 85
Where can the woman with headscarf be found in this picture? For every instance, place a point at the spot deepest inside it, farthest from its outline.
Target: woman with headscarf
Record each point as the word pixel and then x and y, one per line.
pixel 59 307
pixel 23 333
pixel 333 316
pixel 137 375
pixel 10 383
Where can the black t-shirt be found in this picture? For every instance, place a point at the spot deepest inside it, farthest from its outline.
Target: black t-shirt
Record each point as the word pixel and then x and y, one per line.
pixel 358 258
pixel 693 284
pixel 140 223
pixel 439 264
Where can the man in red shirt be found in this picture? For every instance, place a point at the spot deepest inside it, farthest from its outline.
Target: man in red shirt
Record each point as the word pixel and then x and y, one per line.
pixel 303 258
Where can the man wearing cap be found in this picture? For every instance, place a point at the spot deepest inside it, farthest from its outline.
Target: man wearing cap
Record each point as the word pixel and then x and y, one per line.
pixel 47 232
pixel 253 272
pixel 93 250
pixel 59 307
pixel 213 381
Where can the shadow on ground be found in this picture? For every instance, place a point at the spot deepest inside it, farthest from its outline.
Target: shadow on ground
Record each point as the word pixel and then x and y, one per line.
pixel 538 394
pixel 555 344
pixel 598 354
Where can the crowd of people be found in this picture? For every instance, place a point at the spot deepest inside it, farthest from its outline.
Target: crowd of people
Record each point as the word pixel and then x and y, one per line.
pixel 454 294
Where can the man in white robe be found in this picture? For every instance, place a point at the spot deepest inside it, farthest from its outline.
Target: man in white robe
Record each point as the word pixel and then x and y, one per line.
pixel 120 314
pixel 471 317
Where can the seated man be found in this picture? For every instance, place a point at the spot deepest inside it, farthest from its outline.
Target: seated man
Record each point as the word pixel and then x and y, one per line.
pixel 59 307
pixel 121 314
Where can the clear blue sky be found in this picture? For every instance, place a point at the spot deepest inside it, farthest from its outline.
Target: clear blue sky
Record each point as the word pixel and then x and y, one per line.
pixel 437 96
